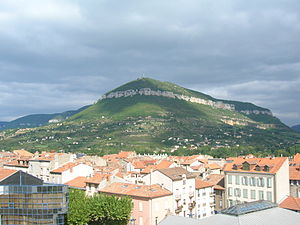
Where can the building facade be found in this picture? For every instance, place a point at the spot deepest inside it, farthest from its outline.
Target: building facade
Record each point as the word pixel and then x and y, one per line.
pixel 248 180
pixel 25 199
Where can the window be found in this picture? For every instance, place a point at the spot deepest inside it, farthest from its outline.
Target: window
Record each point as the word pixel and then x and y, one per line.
pixel 141 222
pixel 184 182
pixel 229 191
pixel 260 182
pixel 245 193
pixel 237 192
pixel 269 182
pixel 229 179
pixel 252 181
pixel 237 179
pixel 246 166
pixel 269 196
pixel 253 194
pixel 266 168
pixel 245 180
pixel 140 206
pixel 260 195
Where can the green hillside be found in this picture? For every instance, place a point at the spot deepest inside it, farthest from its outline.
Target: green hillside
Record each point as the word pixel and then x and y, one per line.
pixel 150 123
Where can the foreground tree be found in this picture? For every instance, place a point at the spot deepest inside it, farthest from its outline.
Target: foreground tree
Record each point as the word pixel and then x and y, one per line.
pixel 98 209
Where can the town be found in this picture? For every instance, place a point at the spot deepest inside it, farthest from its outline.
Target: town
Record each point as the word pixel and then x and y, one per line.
pixel 197 189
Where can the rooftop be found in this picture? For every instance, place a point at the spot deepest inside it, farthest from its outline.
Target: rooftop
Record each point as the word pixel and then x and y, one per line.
pixel 255 165
pixel 176 173
pixel 291 203
pixel 202 184
pixel 134 190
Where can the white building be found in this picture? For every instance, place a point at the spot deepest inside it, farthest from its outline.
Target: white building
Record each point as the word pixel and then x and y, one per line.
pixel 252 179
pixel 181 183
pixel 204 199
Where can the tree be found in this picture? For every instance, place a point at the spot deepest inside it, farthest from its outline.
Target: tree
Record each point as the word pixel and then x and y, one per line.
pixel 98 209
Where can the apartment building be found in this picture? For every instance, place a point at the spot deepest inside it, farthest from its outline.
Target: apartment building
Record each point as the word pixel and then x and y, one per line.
pixel 295 176
pixel 204 199
pixel 151 203
pixel 252 179
pixel 181 183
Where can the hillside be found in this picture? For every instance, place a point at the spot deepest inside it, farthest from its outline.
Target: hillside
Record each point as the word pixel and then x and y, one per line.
pixel 296 128
pixel 147 115
pixel 36 120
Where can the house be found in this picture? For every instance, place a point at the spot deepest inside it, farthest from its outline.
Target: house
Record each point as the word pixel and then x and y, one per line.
pixel 204 198
pixel 151 203
pixel 181 183
pixel 69 171
pixel 251 179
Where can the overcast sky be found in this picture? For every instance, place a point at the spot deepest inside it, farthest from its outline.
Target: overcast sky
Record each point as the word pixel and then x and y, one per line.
pixel 57 55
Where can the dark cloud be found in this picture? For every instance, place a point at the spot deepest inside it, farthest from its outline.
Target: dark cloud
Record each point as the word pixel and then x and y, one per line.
pixel 57 55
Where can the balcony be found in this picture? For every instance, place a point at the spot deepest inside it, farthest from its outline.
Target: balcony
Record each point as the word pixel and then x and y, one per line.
pixel 212 194
pixel 192 205
pixel 191 194
pixel 177 197
pixel 179 209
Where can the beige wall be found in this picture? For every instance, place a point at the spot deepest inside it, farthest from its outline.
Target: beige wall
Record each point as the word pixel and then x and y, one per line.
pixel 282 182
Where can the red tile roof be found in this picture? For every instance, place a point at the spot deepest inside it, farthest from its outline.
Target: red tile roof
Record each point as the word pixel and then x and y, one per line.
pixel 64 168
pixel 97 178
pixel 273 163
pixel 134 190
pixel 291 202
pixel 294 170
pixel 297 157
pixel 202 184
pixel 4 173
pixel 78 182
pixel 23 152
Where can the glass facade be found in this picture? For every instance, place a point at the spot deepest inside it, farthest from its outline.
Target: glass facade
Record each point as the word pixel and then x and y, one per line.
pixel 33 204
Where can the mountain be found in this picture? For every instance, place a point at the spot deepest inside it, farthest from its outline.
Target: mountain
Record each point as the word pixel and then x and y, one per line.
pixel 296 128
pixel 37 120
pixel 147 115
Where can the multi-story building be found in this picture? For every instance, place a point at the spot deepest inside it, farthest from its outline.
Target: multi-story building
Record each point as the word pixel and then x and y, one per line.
pixel 151 203
pixel 181 183
pixel 204 199
pixel 295 177
pixel 219 190
pixel 25 199
pixel 251 179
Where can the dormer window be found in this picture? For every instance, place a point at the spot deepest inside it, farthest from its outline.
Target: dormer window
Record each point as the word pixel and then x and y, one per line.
pixel 234 167
pixel 257 168
pixel 246 166
pixel 266 168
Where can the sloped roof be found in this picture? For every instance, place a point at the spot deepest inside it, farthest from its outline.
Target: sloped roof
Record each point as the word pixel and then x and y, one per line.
pixel 78 182
pixel 294 170
pixel 176 173
pixel 202 184
pixel 4 173
pixel 134 190
pixel 291 202
pixel 97 178
pixel 23 152
pixel 273 163
pixel 64 167
pixel 297 157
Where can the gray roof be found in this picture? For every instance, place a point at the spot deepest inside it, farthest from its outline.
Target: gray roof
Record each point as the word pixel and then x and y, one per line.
pixel 273 216
pixel 176 173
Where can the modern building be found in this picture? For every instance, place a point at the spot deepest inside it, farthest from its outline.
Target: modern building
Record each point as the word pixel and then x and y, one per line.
pixel 25 199
pixel 151 203
pixel 251 213
pixel 252 179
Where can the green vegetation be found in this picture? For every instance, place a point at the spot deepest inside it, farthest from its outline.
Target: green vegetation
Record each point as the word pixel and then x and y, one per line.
pixel 156 124
pixel 98 209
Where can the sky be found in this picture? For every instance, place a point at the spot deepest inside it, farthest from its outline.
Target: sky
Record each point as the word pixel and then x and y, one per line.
pixel 58 55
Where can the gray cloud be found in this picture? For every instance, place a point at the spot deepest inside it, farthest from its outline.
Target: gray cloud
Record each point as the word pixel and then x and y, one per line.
pixel 61 54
